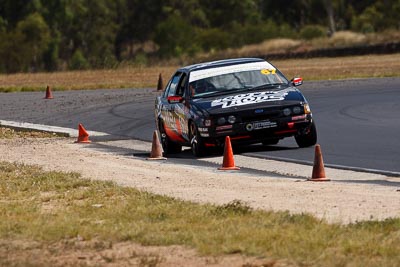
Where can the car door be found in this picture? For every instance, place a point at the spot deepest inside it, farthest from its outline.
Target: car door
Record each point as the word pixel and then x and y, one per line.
pixel 173 108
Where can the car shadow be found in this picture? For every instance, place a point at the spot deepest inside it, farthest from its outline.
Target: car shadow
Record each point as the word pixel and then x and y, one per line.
pixel 261 148
pixel 243 149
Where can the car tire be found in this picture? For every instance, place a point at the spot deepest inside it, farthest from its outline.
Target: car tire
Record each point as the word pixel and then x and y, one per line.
pixel 196 142
pixel 168 146
pixel 308 139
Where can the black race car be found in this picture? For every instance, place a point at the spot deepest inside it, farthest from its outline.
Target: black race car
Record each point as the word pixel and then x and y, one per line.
pixel 247 99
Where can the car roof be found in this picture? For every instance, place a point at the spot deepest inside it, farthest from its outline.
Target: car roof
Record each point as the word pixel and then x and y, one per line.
pixel 220 63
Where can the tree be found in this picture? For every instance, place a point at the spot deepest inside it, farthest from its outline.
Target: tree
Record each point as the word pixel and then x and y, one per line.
pixel 36 37
pixel 225 13
pixel 173 36
pixel 14 54
pixel 138 21
pixel 329 10
pixel 14 11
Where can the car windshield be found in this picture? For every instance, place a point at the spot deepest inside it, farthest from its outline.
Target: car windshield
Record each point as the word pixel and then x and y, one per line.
pixel 237 81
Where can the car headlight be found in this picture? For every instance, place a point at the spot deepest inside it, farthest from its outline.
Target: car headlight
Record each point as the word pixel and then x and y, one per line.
pixel 297 110
pixel 307 109
pixel 231 119
pixel 286 112
pixel 221 121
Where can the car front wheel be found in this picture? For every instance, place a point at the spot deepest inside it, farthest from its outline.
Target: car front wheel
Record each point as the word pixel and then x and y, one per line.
pixel 168 146
pixel 196 142
pixel 308 139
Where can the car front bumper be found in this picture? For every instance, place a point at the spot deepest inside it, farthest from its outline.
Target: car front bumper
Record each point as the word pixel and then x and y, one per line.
pixel 257 131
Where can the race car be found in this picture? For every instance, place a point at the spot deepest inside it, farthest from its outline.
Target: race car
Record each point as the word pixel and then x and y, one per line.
pixel 247 99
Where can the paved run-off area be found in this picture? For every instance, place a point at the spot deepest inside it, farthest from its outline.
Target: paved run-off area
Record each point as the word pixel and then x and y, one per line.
pixel 263 184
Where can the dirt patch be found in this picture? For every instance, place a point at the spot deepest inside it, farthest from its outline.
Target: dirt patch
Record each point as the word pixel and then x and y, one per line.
pixel 349 197
pixel 99 253
pixel 280 186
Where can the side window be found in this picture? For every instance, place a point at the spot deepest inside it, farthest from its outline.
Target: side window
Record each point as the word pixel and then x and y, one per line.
pixel 181 87
pixel 174 84
pixel 165 93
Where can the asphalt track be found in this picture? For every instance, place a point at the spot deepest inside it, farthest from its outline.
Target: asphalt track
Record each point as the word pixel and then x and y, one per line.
pixel 358 121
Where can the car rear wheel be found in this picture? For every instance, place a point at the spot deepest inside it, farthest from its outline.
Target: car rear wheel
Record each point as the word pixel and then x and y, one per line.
pixel 308 139
pixel 196 142
pixel 168 146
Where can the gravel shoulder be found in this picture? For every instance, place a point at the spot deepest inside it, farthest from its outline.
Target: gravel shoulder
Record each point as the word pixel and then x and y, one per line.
pixel 279 186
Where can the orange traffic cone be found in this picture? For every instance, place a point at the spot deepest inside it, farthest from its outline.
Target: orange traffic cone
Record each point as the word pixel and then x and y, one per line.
pixel 83 135
pixel 228 161
pixel 49 94
pixel 156 149
pixel 160 84
pixel 318 173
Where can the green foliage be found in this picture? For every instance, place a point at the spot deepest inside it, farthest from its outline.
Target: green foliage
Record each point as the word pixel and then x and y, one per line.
pixel 310 32
pixel 3 25
pixel 141 59
pixel 225 13
pixel 213 39
pixel 78 61
pixel 173 36
pixel 36 37
pixel 51 55
pixel 23 47
pixel 14 53
pixel 44 34
pixel 368 21
pixel 256 33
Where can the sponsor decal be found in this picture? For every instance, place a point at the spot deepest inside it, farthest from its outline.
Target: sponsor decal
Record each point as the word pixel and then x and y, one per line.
pixel 301 117
pixel 224 127
pixel 249 127
pixel 268 72
pixel 249 98
pixel 260 125
pixel 206 73
pixel 177 124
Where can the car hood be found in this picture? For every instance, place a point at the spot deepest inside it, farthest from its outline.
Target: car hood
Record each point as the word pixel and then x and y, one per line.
pixel 249 100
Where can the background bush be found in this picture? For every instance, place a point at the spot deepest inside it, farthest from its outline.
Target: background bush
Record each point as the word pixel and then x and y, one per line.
pixel 310 32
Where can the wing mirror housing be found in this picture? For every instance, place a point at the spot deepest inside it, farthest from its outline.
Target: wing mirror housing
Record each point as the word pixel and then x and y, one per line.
pixel 175 99
pixel 297 81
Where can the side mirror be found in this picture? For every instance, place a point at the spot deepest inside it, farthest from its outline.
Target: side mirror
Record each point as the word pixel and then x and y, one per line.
pixel 175 99
pixel 297 81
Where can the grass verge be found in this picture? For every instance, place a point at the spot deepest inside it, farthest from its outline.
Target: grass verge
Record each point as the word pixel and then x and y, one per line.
pixel 9 133
pixel 48 207
pixel 141 77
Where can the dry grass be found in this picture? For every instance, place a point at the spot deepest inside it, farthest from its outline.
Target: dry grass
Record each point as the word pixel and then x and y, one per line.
pixel 276 46
pixel 269 46
pixel 340 39
pixel 50 208
pixel 9 133
pixel 341 68
pixel 141 77
pixel 127 77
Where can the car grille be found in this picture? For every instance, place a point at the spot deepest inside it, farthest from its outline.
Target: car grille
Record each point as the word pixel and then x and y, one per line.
pixel 266 115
